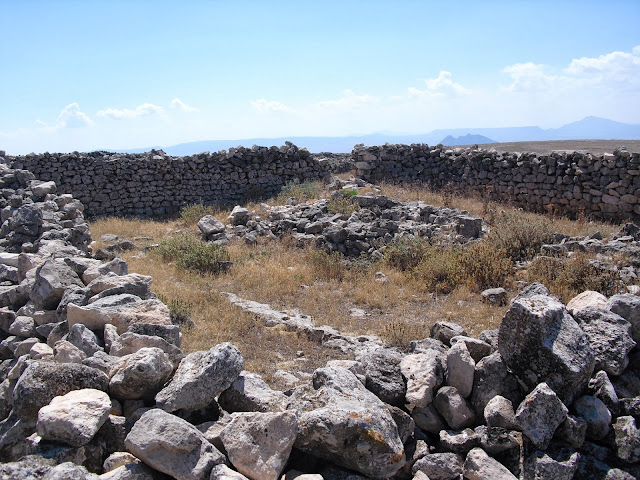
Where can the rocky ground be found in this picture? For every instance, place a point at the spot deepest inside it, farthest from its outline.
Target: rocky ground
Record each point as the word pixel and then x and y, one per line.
pixel 95 384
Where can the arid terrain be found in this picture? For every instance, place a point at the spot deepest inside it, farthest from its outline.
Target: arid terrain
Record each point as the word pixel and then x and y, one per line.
pixel 591 146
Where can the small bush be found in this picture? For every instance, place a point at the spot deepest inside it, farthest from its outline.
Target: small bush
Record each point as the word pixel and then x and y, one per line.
pixel 406 253
pixel 191 253
pixel 348 192
pixel 440 269
pixel 328 265
pixel 399 332
pixel 520 236
pixel 179 311
pixel 302 191
pixel 343 205
pixel 191 214
pixel 484 266
pixel 567 277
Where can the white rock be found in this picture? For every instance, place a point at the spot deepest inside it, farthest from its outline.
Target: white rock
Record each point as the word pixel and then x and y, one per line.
pixel 460 369
pixel 480 466
pixel 424 374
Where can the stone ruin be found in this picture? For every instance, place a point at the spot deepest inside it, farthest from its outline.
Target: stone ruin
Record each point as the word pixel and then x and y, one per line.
pixel 94 384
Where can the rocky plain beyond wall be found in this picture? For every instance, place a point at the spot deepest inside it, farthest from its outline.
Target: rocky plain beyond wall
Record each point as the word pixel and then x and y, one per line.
pixel 154 184
pixel 599 186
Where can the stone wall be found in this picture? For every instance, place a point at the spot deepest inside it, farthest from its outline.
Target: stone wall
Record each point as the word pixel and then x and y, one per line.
pixel 600 186
pixel 155 184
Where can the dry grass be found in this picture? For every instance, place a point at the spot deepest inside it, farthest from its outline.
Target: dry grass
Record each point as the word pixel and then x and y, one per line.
pixel 419 287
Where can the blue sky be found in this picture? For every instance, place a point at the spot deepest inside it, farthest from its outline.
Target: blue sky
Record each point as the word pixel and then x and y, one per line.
pixel 82 75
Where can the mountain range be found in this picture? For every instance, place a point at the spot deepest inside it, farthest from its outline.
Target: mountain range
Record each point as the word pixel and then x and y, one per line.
pixel 586 129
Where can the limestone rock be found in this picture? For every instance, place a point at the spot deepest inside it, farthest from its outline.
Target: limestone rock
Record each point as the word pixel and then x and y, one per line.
pixel 478 349
pixel 480 466
pixel 460 369
pixel 499 413
pixel 140 375
pixel 596 414
pixel 112 284
pixel 52 278
pixel 210 225
pixel 627 439
pixel 258 444
pixel 445 331
pixel 423 373
pixel 428 419
pixel 454 408
pixel 573 431
pixel 558 463
pixel 628 307
pixel 250 393
pixel 540 342
pixel 540 414
pixel 69 471
pixel 171 333
pixel 440 466
pixel 84 339
pixel 42 381
pixel 384 377
pixel 588 298
pixel 609 336
pixel 222 472
pixel 601 387
pixel 74 418
pixel 67 352
pixel 129 343
pixel 492 378
pixel 200 378
pixel 172 446
pixel 459 442
pixel 344 423
pixel 494 296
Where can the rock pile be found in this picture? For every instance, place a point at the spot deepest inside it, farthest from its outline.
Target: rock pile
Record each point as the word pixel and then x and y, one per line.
pixel 94 384
pixel 602 186
pixel 156 184
pixel 374 222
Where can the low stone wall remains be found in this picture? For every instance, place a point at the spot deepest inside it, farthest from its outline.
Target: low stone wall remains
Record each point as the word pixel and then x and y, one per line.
pixel 600 186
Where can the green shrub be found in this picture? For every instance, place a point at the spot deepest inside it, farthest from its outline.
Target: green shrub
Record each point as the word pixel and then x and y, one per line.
pixel 399 332
pixel 191 253
pixel 191 214
pixel 519 235
pixel 440 269
pixel 342 204
pixel 484 266
pixel 405 253
pixel 179 310
pixel 348 192
pixel 302 191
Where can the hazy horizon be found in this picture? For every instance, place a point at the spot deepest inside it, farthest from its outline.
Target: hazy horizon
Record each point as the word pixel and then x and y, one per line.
pixel 125 75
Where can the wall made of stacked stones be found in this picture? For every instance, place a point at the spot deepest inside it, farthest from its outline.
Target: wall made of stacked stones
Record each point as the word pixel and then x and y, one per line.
pixel 155 184
pixel 603 186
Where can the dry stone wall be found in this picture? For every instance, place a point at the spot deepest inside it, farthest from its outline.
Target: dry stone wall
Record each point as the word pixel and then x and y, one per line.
pixel 156 184
pixel 601 186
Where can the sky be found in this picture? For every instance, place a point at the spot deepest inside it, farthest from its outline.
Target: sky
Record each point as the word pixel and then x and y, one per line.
pixel 86 75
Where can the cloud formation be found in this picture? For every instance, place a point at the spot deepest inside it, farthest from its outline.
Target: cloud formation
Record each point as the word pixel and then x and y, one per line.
pixel 178 104
pixel 144 110
pixel 270 106
pixel 439 87
pixel 348 101
pixel 72 117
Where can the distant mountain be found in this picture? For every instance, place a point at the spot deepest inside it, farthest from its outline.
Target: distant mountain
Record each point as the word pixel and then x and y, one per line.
pixel 586 129
pixel 468 139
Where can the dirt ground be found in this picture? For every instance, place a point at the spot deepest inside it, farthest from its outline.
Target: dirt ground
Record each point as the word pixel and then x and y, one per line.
pixel 591 146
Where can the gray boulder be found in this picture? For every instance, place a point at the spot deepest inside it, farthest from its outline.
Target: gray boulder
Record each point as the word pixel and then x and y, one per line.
pixel 627 439
pixel 628 307
pixel 596 414
pixel 74 418
pixel 258 444
pixel 492 378
pixel 172 446
pixel 51 280
pixel 384 377
pixel 423 373
pixel 445 331
pixel 200 378
pixel 210 225
pixel 601 387
pixel 480 466
pixel 42 381
pixel 454 408
pixel 69 471
pixel 428 419
pixel 609 336
pixel 540 414
pixel 440 466
pixel 84 339
pixel 540 342
pixel 573 431
pixel 499 413
pixel 140 375
pixel 460 368
pixel 250 393
pixel 557 462
pixel 339 420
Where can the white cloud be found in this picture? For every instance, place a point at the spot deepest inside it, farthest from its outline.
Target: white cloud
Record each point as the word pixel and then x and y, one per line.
pixel 348 101
pixel 441 86
pixel 178 104
pixel 531 77
pixel 270 106
pixel 72 117
pixel 144 110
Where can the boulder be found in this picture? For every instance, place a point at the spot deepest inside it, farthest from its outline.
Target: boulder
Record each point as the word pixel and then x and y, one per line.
pixel 428 419
pixel 222 472
pixel 480 466
pixel 42 381
pixel 112 284
pixel 339 420
pixel 84 339
pixel 458 442
pixel 557 462
pixel 51 280
pixel 258 444
pixel 210 225
pixel 460 368
pixel 588 298
pixel 383 375
pixel 601 387
pixel 423 373
pixel 492 378
pixel 140 375
pixel 499 413
pixel 74 418
pixel 596 414
pixel 573 431
pixel 250 393
pixel 609 336
pixel 171 333
pixel 129 343
pixel 200 378
pixel 172 446
pixel 627 439
pixel 477 348
pixel 628 307
pixel 454 408
pixel 445 331
pixel 541 343
pixel 540 414
pixel 440 466
pixel 495 296
pixel 67 352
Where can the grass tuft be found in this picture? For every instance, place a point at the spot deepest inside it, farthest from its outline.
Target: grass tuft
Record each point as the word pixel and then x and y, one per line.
pixel 191 253
pixel 305 191
pixel 191 214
